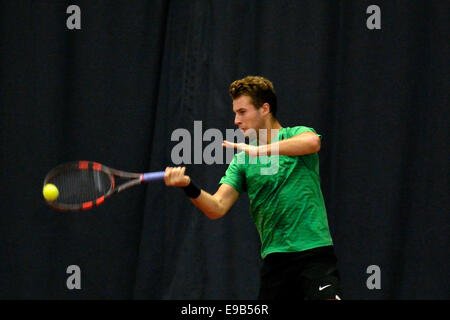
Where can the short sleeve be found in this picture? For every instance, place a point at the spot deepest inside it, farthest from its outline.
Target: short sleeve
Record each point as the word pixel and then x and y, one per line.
pixel 234 176
pixel 294 131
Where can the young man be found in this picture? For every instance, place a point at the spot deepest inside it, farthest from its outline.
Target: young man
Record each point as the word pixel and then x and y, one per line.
pixel 286 203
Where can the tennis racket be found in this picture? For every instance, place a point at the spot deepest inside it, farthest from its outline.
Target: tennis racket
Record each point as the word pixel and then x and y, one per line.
pixel 83 185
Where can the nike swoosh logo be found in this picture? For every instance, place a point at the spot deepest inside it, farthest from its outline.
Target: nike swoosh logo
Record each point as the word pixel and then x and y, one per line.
pixel 321 288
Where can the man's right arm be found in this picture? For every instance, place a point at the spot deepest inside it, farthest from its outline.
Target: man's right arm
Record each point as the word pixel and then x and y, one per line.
pixel 213 206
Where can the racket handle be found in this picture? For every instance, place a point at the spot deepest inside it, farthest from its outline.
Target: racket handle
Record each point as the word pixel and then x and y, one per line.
pixel 152 176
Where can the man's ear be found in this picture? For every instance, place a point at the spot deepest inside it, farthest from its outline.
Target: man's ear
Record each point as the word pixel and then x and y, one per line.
pixel 265 109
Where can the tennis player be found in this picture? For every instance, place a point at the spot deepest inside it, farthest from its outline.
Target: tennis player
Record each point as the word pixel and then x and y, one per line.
pixel 287 206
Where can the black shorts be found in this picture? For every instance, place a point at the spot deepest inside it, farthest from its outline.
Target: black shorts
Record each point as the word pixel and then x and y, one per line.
pixel 306 275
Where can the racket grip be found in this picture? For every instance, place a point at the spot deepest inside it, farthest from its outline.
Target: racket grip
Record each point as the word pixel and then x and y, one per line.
pixel 152 176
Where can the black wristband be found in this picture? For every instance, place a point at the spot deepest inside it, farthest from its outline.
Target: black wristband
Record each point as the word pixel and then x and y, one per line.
pixel 191 190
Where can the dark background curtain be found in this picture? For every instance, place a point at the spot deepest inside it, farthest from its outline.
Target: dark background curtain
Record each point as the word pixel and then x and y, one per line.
pixel 114 92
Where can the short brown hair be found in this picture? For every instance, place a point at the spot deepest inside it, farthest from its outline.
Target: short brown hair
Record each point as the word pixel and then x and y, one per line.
pixel 259 89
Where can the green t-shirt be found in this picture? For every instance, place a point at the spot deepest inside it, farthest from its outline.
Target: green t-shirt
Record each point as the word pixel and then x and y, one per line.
pixel 286 201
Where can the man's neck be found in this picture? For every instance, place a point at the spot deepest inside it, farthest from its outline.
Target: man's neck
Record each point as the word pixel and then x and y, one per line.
pixel 271 131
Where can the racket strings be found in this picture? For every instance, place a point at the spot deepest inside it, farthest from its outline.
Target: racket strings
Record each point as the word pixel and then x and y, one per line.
pixel 79 186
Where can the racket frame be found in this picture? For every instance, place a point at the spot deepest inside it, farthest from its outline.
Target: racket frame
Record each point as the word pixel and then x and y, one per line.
pixel 136 178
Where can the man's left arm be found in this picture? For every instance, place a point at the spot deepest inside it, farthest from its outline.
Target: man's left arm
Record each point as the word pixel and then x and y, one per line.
pixel 302 144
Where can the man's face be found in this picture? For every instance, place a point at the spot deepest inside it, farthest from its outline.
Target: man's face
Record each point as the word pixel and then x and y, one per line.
pixel 246 115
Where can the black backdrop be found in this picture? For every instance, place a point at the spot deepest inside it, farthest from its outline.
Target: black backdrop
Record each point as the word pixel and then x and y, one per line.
pixel 115 91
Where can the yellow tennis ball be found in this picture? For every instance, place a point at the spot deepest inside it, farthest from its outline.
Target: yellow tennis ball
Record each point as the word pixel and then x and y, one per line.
pixel 50 192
